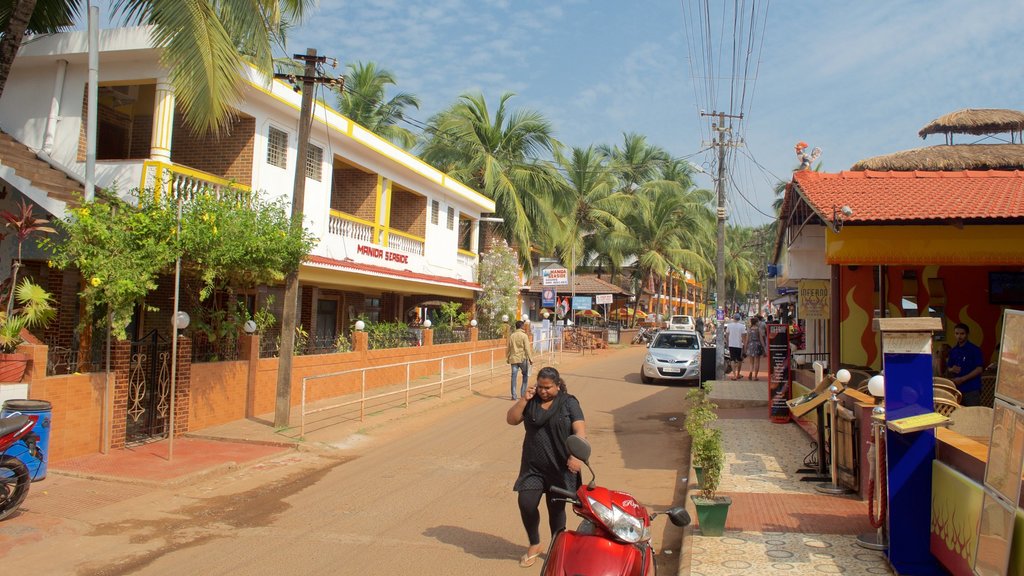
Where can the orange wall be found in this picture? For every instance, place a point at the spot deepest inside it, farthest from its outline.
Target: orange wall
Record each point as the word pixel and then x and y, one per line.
pixel 77 400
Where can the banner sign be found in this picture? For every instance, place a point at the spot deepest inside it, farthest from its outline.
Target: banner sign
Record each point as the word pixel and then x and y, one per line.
pixel 778 373
pixel 582 302
pixel 554 277
pixel 547 297
pixel 603 299
pixel 813 300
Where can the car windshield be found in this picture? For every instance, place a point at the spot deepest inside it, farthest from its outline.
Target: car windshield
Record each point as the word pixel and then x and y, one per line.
pixel 680 319
pixel 676 342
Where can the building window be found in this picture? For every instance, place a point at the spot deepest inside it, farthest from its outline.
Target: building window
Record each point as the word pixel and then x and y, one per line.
pixel 277 148
pixel 314 162
pixel 435 207
pixel 451 218
pixel 371 309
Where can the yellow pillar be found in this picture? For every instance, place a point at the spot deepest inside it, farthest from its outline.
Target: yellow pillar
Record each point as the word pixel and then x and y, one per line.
pixel 163 121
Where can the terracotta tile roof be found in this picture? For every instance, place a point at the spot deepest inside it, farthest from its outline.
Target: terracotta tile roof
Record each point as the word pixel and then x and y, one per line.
pixel 915 196
pixel 371 270
pixel 585 284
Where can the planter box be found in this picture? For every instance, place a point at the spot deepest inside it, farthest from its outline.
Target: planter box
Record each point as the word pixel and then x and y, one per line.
pixel 711 514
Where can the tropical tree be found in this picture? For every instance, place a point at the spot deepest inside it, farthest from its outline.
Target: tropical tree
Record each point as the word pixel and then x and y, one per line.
pixel 635 161
pixel 206 43
pixel 365 101
pixel 498 155
pixel 588 209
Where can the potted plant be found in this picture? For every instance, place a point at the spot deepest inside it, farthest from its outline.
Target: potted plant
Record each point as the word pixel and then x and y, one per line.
pixel 701 413
pixel 712 509
pixel 34 310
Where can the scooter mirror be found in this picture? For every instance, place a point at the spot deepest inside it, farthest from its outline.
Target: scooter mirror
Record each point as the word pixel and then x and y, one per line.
pixel 579 448
pixel 678 516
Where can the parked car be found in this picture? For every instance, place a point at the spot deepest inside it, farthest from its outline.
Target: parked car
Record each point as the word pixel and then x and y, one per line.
pixel 680 322
pixel 673 355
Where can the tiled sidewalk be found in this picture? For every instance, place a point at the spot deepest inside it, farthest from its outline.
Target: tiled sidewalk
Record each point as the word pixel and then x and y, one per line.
pixel 776 524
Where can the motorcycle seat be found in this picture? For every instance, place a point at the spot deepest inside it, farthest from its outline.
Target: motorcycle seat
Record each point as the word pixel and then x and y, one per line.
pixel 12 424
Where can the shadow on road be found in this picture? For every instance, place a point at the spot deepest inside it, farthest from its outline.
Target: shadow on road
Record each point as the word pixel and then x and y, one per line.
pixel 479 544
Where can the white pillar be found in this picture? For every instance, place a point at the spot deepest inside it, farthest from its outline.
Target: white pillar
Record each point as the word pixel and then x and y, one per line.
pixel 163 121
pixel 474 237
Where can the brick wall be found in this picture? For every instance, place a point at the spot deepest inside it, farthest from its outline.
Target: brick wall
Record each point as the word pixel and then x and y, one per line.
pixel 229 155
pixel 77 424
pixel 408 212
pixel 354 192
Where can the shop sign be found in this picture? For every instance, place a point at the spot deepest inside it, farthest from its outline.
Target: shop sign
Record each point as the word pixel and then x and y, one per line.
pixel 813 300
pixel 778 372
pixel 547 297
pixel 603 299
pixel 381 254
pixel 555 277
pixel 581 302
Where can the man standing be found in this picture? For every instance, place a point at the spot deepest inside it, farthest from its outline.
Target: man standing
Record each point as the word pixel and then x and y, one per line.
pixel 517 353
pixel 964 366
pixel 736 338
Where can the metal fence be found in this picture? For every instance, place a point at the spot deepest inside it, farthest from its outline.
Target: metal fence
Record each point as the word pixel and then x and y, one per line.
pixel 492 358
pixel 60 360
pixel 445 335
pixel 205 351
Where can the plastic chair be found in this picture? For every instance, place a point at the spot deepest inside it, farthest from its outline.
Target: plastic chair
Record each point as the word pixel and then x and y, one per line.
pixel 945 407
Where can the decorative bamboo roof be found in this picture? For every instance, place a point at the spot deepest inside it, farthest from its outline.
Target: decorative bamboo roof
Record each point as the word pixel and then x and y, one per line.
pixel 977 121
pixel 950 158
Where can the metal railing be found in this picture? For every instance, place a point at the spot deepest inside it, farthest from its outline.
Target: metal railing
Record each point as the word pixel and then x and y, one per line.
pixel 61 360
pixel 466 258
pixel 473 370
pixel 347 225
pixel 187 183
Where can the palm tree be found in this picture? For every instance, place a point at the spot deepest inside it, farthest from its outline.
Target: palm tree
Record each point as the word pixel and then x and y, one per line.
pixel 636 161
pixel 363 101
pixel 588 209
pixel 497 155
pixel 205 42
pixel 743 248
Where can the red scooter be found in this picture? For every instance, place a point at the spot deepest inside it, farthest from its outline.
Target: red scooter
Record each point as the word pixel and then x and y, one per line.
pixel 614 537
pixel 14 475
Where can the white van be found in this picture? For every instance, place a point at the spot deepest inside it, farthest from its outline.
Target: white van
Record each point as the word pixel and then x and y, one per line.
pixel 680 322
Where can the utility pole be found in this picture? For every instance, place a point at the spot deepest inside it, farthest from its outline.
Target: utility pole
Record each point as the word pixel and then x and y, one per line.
pixel 283 406
pixel 720 255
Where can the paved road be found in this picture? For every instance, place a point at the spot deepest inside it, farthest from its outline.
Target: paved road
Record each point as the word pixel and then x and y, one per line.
pixel 427 494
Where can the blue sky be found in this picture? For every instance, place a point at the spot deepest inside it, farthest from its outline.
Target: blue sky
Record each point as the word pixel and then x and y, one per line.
pixel 857 79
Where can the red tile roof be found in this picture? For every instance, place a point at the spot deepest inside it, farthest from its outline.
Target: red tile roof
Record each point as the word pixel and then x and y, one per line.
pixel 585 284
pixel 371 270
pixel 915 196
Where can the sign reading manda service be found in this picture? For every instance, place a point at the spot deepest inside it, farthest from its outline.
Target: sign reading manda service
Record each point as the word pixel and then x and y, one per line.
pixel 555 277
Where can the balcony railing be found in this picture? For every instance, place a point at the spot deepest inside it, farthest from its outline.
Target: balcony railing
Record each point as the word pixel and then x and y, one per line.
pixel 466 258
pixel 187 183
pixel 347 225
pixel 405 242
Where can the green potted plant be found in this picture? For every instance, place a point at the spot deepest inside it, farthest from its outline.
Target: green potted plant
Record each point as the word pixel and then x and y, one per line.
pixel 34 310
pixel 707 452
pixel 701 413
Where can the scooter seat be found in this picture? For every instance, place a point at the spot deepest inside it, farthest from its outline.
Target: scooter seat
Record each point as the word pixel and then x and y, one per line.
pixel 12 424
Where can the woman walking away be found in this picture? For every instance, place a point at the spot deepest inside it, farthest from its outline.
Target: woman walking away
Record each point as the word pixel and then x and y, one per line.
pixel 550 415
pixel 756 347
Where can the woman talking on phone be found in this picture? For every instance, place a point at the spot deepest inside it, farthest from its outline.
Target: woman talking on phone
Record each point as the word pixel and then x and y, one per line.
pixel 550 415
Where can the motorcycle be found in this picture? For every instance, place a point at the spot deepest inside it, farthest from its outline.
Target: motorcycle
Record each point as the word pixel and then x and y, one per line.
pixel 14 475
pixel 644 335
pixel 614 536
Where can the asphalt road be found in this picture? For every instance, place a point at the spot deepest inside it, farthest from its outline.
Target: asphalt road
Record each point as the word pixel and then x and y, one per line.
pixel 427 494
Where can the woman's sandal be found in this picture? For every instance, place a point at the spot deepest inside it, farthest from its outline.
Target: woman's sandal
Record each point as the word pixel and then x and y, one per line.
pixel 527 561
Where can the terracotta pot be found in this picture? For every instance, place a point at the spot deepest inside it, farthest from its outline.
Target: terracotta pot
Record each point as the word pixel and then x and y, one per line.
pixel 12 366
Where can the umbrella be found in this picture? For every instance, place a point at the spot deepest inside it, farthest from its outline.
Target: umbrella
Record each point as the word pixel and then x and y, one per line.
pixel 588 313
pixel 628 313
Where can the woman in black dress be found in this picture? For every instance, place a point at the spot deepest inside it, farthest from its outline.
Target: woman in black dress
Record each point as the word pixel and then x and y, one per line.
pixel 550 415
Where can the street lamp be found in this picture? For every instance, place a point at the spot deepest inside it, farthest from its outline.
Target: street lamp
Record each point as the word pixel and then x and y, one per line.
pixel 360 325
pixel 249 327
pixel 472 323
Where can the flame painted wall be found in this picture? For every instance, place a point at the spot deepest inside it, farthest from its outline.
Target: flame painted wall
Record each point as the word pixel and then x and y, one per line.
pixel 966 300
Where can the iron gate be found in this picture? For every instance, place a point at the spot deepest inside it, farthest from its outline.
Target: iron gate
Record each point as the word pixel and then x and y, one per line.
pixel 149 388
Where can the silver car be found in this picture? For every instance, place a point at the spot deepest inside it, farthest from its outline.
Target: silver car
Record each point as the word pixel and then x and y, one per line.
pixel 673 355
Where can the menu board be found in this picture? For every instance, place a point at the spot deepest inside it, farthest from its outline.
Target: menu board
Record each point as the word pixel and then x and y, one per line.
pixel 778 372
pixel 1010 377
pixel 1005 451
pixel 995 535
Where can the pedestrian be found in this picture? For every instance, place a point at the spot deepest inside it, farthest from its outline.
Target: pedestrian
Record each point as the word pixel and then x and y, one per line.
pixel 964 366
pixel 756 347
pixel 736 338
pixel 699 325
pixel 550 415
pixel 518 353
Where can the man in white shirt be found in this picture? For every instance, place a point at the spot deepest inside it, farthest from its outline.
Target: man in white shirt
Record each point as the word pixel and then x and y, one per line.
pixel 736 337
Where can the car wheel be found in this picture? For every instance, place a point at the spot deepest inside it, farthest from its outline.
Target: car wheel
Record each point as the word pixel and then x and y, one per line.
pixel 645 378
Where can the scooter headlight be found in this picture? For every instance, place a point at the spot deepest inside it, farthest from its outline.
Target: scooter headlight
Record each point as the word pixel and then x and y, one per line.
pixel 627 528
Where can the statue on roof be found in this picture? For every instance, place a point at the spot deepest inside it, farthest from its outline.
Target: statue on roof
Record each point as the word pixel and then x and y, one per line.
pixel 806 159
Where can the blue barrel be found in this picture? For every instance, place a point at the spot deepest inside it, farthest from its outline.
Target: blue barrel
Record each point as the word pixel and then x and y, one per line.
pixel 33 449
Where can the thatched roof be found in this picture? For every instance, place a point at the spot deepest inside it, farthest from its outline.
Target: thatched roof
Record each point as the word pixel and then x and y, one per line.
pixel 978 121
pixel 955 157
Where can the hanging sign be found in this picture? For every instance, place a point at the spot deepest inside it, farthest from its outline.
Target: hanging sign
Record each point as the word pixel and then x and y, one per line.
pixel 603 299
pixel 813 300
pixel 547 297
pixel 778 372
pixel 554 277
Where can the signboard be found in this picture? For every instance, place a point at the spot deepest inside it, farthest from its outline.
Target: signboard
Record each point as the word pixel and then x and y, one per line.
pixel 582 302
pixel 720 314
pixel 554 277
pixel 603 299
pixel 1010 374
pixel 548 297
pixel 778 373
pixel 613 332
pixel 813 300
pixel 382 254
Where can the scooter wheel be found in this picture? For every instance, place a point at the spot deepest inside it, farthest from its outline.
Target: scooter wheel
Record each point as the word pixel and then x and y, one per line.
pixel 14 483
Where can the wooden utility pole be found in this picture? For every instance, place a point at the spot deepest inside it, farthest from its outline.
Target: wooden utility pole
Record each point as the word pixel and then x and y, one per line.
pixel 721 143
pixel 283 406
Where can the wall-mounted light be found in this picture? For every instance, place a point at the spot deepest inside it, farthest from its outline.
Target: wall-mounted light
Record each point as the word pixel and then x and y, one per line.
pixel 839 214
pixel 182 320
